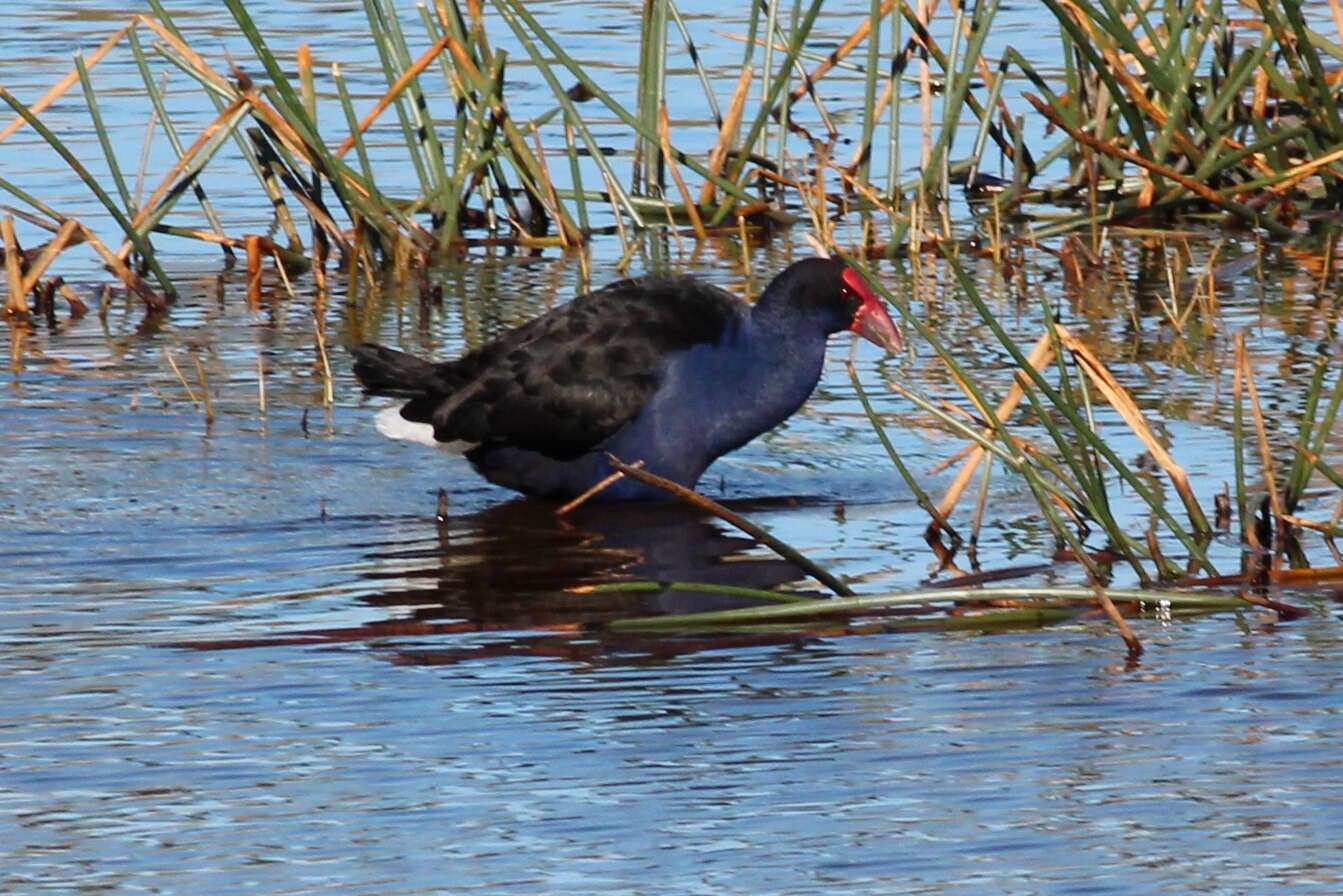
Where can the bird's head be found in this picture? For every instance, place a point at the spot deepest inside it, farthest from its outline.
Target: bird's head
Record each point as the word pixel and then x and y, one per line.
pixel 828 290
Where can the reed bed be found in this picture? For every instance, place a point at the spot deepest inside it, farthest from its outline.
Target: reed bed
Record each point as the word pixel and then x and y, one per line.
pixel 1158 112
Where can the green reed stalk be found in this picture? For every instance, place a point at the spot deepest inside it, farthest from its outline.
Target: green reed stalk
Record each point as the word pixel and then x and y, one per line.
pixel 1238 445
pixel 771 29
pixel 32 201
pixel 1062 488
pixel 982 134
pixel 394 61
pixel 454 184
pixel 693 52
pixel 1122 38
pixel 785 108
pixel 778 597
pixel 1174 50
pixel 1306 67
pixel 781 110
pixel 91 101
pixel 1299 473
pixel 802 611
pixel 1078 456
pixel 1087 49
pixel 1215 166
pixel 217 99
pixel 477 151
pixel 191 172
pixel 1314 433
pixel 1180 101
pixel 896 75
pixel 576 175
pixel 874 18
pixel 1005 447
pixel 1329 472
pixel 958 83
pixel 1325 426
pixel 958 68
pixel 376 212
pixel 287 99
pixel 372 208
pixel 921 497
pixel 648 163
pixel 352 121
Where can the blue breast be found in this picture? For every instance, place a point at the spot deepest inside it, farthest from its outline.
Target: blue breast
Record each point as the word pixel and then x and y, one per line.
pixel 711 399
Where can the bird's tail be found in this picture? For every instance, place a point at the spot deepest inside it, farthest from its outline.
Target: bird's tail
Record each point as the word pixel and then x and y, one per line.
pixel 386 371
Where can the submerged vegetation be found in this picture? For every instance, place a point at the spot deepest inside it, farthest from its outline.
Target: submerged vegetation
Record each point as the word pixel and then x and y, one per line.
pixel 1160 115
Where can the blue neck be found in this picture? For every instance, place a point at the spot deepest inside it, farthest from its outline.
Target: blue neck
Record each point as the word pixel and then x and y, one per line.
pixel 716 397
pixel 777 367
pixel 758 374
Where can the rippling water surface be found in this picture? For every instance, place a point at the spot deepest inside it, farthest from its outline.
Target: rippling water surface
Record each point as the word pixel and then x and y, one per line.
pixel 243 656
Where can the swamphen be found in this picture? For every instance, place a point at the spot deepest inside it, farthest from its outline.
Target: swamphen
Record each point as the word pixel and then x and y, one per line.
pixel 667 370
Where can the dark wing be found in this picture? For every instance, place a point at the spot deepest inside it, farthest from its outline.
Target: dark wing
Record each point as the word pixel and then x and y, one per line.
pixel 564 382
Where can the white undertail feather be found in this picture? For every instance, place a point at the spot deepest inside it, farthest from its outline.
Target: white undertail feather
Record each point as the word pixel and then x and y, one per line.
pixel 391 424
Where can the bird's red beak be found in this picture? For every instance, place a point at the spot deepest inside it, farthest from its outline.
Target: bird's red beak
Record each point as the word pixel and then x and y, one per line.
pixel 872 321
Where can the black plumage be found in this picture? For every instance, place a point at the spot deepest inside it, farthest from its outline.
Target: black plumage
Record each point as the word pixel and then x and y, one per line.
pixel 563 382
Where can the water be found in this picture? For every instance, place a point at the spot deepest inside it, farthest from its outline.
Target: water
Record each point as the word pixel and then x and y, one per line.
pixel 243 655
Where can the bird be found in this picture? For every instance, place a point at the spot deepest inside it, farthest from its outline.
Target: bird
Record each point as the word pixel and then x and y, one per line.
pixel 664 369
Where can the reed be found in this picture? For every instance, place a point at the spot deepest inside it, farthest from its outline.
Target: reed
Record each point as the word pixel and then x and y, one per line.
pixel 1068 601
pixel 1181 110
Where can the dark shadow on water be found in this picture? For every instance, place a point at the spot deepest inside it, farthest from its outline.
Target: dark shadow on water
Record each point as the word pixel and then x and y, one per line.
pixel 512 580
pixel 518 563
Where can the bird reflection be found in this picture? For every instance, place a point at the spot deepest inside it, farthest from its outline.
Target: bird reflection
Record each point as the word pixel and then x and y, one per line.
pixel 516 579
pixel 518 565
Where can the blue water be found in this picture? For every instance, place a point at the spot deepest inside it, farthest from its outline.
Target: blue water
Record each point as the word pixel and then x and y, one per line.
pixel 243 656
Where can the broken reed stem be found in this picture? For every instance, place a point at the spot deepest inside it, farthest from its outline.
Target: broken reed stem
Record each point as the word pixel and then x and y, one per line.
pixel 253 246
pixel 284 275
pixel 588 495
pixel 695 499
pixel 18 301
pixel 664 133
pixel 205 390
pixel 1117 619
pixel 153 301
pixel 727 134
pixel 49 252
pixel 261 382
pixel 982 504
pixel 328 392
pixel 1330 530
pixel 172 362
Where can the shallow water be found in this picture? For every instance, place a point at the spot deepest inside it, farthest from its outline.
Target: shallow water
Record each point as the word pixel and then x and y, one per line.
pixel 244 655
